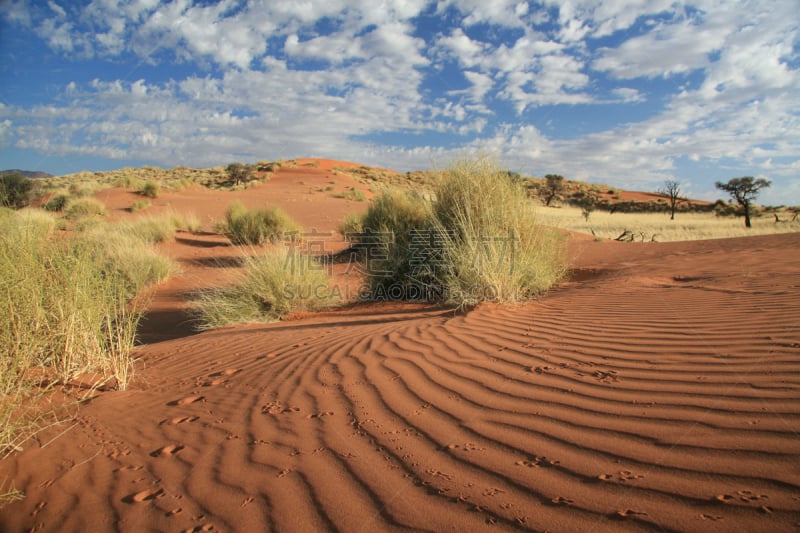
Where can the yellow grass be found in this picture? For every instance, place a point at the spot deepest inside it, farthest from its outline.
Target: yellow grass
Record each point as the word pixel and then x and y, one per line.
pixel 658 226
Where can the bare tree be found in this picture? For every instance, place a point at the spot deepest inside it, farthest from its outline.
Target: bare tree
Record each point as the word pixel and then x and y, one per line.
pixel 554 184
pixel 744 191
pixel 672 190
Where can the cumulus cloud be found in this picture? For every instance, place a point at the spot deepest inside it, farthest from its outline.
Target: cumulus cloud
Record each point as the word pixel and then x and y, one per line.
pixel 366 81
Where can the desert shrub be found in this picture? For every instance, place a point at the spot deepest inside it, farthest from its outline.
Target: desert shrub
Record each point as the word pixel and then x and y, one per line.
pixel 139 205
pixel 256 226
pixel 491 244
pixel 476 239
pixel 151 189
pixel 272 284
pixel 15 190
pixel 84 207
pixel 389 227
pixel 57 202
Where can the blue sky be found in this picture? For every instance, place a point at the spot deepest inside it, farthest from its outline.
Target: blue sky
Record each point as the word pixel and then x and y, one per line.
pixel 624 92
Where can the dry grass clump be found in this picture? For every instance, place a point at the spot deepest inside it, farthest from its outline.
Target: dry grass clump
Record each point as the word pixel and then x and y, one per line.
pixel 140 205
pixel 151 189
pixel 84 207
pixel 492 245
pixel 245 226
pixel 475 238
pixel 67 307
pixel 272 284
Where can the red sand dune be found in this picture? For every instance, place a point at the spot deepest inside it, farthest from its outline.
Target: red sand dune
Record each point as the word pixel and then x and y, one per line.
pixel 657 390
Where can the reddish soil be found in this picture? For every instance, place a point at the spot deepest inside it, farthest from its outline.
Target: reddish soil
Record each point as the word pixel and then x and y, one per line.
pixel 658 389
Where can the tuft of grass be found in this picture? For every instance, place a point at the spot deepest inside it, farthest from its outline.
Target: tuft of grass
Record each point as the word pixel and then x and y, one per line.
pixel 151 230
pixel 475 238
pixel 271 285
pixel 70 306
pixel 390 225
pixel 151 189
pixel 492 246
pixel 352 226
pixel 253 227
pixel 84 207
pixel 139 205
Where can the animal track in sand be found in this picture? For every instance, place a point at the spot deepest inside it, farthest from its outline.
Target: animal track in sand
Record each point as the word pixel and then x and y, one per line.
pixel 537 462
pixel 467 447
pixel 144 495
pixel 746 496
pixel 188 400
pixel 167 451
pixel 277 408
pixel 320 415
pixel 226 372
pixel 129 468
pixel 179 420
pixel 629 513
pixel 39 506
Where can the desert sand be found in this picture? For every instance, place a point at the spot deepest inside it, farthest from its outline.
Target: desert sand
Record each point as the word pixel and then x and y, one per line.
pixel 657 389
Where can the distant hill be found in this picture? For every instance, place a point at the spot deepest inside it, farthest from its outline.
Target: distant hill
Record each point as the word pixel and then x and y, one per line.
pixel 33 174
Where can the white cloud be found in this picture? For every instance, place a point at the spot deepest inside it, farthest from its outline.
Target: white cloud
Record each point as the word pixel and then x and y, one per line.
pixel 321 77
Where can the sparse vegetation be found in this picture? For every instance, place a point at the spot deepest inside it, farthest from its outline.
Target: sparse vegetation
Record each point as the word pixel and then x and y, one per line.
pixel 84 207
pixel 139 205
pixel 352 226
pixel 68 306
pixel 744 191
pixel 476 239
pixel 15 190
pixel 245 226
pixel 672 190
pixel 554 185
pixel 240 173
pixel 271 285
pixel 151 189
pixel 655 226
pixel 58 202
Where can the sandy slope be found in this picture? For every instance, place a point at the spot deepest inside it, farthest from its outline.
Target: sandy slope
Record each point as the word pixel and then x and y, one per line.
pixel 660 389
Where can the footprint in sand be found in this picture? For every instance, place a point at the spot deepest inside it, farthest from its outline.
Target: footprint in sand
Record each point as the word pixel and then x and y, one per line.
pixel 144 495
pixel 277 408
pixel 559 500
pixel 167 451
pixel 39 506
pixel 225 373
pixel 538 462
pixel 127 469
pixel 188 400
pixel 179 420
pixel 320 415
